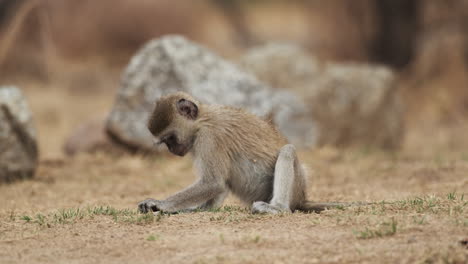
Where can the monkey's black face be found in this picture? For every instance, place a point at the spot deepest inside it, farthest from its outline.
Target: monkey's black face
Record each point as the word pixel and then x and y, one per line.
pixel 176 147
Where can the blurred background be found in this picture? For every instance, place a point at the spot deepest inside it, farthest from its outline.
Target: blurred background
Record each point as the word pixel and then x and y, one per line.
pixel 68 55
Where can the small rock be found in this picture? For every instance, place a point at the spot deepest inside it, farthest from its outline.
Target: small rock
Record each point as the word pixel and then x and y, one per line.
pixel 18 145
pixel 89 137
pixel 173 63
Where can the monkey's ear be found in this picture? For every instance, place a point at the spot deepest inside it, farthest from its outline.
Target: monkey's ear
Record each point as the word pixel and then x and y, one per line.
pixel 187 109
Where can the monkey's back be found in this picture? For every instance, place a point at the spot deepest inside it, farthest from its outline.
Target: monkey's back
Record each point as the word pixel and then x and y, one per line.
pixel 250 145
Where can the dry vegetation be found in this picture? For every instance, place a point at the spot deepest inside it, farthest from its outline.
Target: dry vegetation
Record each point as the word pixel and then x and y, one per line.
pixel 83 209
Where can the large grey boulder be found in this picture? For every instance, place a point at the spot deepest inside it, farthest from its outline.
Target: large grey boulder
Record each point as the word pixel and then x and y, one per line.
pixel 282 66
pixel 352 104
pixel 173 63
pixel 18 146
pixel 357 104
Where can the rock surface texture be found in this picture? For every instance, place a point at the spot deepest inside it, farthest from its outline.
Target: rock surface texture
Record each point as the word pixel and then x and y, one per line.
pixel 352 104
pixel 18 146
pixel 173 63
pixel 282 66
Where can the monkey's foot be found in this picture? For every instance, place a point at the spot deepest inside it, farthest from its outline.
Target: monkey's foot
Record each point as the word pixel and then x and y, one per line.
pixel 266 208
pixel 148 205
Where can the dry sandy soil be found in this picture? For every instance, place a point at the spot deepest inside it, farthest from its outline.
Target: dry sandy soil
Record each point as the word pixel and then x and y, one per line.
pixel 83 209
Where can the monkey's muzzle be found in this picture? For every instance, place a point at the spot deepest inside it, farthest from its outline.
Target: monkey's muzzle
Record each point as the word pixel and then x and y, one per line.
pixel 178 149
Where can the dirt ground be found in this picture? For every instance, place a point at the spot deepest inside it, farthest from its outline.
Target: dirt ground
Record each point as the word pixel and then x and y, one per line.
pixel 83 209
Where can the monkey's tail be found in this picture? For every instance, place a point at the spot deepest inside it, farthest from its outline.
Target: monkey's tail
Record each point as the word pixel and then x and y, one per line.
pixel 315 207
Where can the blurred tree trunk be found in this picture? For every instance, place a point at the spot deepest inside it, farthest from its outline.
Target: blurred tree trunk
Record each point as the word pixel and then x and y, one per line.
pixel 6 9
pixel 19 40
pixel 397 31
pixel 442 38
pixel 232 10
pixel 439 70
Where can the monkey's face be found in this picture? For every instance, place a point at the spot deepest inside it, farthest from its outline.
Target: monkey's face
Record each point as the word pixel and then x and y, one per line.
pixel 175 145
pixel 173 122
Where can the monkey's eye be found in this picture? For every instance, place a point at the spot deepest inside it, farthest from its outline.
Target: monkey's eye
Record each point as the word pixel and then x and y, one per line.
pixel 169 139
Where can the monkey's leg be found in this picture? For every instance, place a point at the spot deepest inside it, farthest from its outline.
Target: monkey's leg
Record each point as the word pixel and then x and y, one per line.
pixel 288 185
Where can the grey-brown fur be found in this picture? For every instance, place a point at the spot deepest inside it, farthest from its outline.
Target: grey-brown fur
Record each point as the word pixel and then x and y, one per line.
pixel 234 151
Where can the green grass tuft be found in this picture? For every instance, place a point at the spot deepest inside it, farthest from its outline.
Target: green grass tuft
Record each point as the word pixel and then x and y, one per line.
pixel 383 230
pixel 71 215
pixel 152 238
pixel 26 218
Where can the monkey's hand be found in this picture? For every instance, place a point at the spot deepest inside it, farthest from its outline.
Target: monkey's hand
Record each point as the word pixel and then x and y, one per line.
pixel 149 205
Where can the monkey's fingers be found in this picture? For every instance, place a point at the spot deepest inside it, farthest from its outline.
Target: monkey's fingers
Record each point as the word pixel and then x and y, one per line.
pixel 148 205
pixel 142 208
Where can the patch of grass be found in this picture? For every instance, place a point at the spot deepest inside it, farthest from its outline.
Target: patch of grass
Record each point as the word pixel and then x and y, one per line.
pixel 419 220
pixel 64 216
pixel 117 214
pixel 451 204
pixel 256 239
pixel 316 221
pixel 384 229
pixel 152 238
pixel 217 218
pixel 246 241
pixel 452 196
pixel 228 209
pixel 102 210
pixel 230 214
pixel 71 215
pixel 148 218
pixel 234 216
pixel 340 207
pixel 26 218
pixel 433 204
pixel 41 220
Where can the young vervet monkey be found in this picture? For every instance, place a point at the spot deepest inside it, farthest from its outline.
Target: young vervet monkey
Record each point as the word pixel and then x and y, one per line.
pixel 233 150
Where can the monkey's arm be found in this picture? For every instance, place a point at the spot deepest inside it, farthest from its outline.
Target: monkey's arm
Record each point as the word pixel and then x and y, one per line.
pixel 214 203
pixel 191 197
pixel 210 189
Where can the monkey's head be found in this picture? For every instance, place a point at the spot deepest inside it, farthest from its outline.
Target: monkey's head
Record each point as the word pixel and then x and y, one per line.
pixel 173 122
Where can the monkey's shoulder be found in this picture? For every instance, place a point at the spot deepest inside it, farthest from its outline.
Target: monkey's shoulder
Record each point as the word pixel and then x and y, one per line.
pixel 234 131
pixel 236 114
